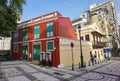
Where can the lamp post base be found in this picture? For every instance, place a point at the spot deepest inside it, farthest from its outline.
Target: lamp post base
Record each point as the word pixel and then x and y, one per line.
pixel 82 65
pixel 72 66
pixel 79 65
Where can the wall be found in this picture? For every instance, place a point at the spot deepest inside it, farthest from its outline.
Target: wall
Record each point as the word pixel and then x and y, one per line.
pixel 65 28
pixel 66 53
pixel 5 43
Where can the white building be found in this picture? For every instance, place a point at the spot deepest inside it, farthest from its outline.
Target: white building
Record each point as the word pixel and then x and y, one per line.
pixel 4 45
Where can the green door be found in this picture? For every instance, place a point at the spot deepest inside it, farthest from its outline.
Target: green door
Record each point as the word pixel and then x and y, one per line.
pixel 36 51
pixel 25 52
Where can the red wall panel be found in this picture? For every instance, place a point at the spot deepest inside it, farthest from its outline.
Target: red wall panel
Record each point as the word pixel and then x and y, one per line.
pixel 65 28
pixel 43 30
pixel 20 37
pixel 31 33
pixel 30 52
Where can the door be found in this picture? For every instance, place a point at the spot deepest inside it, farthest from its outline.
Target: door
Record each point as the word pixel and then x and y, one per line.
pixel 36 51
pixel 25 52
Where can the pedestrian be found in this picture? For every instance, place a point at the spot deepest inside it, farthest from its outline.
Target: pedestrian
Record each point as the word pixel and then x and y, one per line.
pixel 95 58
pixel 92 58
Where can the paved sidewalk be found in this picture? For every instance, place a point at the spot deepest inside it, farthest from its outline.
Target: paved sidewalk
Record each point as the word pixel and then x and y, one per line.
pixel 25 71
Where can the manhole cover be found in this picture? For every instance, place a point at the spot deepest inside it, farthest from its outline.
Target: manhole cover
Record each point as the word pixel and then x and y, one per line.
pixel 93 76
pixel 57 73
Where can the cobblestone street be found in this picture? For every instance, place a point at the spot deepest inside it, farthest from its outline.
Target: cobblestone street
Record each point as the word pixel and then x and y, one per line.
pixel 25 71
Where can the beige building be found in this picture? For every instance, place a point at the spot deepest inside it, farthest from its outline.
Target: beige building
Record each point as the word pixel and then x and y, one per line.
pixel 105 18
pixel 102 19
pixel 91 34
pixel 66 51
pixel 5 45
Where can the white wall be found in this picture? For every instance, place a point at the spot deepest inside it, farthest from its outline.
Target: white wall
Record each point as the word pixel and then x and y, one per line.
pixel 5 43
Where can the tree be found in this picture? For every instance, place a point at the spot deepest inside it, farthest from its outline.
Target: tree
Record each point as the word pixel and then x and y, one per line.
pixel 115 45
pixel 10 11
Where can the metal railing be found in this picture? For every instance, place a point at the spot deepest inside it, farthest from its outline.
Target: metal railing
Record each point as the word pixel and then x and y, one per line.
pixel 98 44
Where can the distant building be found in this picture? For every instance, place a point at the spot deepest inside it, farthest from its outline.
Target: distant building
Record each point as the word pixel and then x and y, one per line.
pixel 103 19
pixel 91 34
pixel 47 39
pixel 5 45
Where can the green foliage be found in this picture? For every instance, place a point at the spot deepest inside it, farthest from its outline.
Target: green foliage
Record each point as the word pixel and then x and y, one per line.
pixel 114 44
pixel 10 11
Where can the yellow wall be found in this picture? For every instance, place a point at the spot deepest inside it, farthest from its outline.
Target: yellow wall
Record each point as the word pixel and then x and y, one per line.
pixel 66 53
pixel 88 32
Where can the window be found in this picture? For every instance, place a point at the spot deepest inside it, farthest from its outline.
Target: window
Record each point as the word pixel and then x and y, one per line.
pixel 87 38
pixel 25 34
pixel 49 29
pixel 81 38
pixel 16 36
pixel 15 48
pixel 101 53
pixel 36 32
pixel 50 45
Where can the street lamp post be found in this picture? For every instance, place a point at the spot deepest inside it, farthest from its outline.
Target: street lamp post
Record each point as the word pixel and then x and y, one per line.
pixel 81 56
pixel 72 45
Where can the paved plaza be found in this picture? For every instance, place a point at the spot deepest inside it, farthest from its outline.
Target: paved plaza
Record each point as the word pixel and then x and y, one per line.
pixel 25 71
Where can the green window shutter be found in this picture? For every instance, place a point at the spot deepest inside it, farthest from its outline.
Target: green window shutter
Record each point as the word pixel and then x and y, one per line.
pixel 15 48
pixel 16 36
pixel 25 34
pixel 50 45
pixel 36 32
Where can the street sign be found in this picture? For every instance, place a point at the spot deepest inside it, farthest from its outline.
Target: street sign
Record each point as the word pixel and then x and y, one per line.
pixel 72 44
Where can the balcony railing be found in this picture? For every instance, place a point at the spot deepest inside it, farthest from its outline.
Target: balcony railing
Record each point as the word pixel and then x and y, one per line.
pixel 98 44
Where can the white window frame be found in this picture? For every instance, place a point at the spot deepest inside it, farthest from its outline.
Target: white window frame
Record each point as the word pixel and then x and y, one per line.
pixel 50 34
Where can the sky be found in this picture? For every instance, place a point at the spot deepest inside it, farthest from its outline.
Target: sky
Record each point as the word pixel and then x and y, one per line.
pixel 68 8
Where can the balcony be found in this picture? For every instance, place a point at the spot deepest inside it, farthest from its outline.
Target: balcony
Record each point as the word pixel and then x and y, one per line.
pixel 98 44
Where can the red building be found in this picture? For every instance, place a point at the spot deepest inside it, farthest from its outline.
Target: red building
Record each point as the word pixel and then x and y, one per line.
pixel 38 38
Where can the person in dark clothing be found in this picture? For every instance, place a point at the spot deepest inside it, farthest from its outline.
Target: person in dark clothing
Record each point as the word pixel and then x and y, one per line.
pixel 95 58
pixel 92 58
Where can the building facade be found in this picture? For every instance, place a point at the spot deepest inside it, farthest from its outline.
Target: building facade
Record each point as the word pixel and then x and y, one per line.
pixel 91 34
pixel 103 15
pixel 5 45
pixel 47 39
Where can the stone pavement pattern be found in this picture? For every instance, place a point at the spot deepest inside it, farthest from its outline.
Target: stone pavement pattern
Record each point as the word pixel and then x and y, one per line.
pixel 25 71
